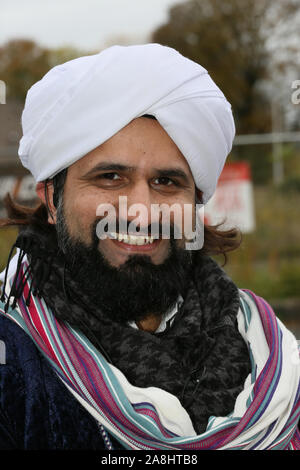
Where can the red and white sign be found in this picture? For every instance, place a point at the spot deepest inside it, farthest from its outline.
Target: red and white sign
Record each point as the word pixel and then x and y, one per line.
pixel 233 201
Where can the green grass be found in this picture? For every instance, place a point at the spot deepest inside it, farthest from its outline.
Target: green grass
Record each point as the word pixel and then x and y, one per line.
pixel 268 261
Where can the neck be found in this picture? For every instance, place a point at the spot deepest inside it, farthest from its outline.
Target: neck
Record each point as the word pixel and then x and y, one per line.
pixel 149 323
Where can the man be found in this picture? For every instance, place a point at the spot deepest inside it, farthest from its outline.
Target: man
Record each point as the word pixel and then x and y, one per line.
pixel 119 331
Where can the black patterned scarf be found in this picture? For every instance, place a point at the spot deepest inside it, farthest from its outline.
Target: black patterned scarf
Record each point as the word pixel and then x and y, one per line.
pixel 201 359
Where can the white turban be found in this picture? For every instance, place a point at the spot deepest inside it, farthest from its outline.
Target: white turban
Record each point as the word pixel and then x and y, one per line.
pixel 80 104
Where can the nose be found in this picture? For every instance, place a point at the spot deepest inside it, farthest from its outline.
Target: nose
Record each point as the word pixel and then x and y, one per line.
pixel 138 207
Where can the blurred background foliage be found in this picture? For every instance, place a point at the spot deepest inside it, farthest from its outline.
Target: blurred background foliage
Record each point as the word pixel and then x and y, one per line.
pixel 232 40
pixel 251 50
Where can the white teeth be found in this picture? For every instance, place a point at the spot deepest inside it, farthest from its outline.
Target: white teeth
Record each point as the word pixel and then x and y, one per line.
pixel 131 239
pixel 113 235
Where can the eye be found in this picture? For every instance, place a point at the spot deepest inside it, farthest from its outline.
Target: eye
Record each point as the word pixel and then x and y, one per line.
pixel 111 179
pixel 109 176
pixel 165 181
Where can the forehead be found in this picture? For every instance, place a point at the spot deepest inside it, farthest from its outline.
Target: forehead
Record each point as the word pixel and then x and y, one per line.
pixel 143 144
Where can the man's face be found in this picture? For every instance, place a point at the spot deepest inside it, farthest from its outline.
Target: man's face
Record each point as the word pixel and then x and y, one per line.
pixel 140 162
pixel 125 280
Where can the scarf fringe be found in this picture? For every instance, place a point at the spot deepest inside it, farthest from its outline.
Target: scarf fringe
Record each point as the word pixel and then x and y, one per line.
pixel 37 270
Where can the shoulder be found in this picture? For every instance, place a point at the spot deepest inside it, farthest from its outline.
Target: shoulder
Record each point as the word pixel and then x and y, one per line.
pixel 15 345
pixel 256 311
pixel 258 322
pixel 250 302
pixel 36 408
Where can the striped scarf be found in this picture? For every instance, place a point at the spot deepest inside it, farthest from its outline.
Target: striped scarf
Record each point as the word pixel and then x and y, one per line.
pixel 265 415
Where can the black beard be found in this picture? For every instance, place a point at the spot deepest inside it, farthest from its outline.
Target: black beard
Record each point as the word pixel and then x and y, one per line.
pixel 131 291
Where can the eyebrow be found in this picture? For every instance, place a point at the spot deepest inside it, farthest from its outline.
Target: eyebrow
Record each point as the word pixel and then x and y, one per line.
pixel 162 172
pixel 108 166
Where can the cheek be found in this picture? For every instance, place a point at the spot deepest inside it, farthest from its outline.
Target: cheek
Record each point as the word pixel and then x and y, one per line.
pixel 80 211
pixel 184 219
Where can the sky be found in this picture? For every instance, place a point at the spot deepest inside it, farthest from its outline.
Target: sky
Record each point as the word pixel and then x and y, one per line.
pixel 83 24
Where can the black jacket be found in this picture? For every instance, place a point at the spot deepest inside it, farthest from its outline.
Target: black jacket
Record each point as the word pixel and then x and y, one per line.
pixel 37 411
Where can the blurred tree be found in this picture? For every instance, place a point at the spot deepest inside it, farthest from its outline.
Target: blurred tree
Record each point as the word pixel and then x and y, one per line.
pixel 63 54
pixel 231 38
pixel 23 62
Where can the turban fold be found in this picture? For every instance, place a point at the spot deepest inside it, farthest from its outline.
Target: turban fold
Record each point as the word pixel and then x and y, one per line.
pixel 79 105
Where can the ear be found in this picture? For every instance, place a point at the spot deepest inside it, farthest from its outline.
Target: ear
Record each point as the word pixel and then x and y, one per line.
pixel 44 191
pixel 199 194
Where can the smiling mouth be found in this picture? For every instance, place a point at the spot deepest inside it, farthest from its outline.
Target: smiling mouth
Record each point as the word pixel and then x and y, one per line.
pixel 134 240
